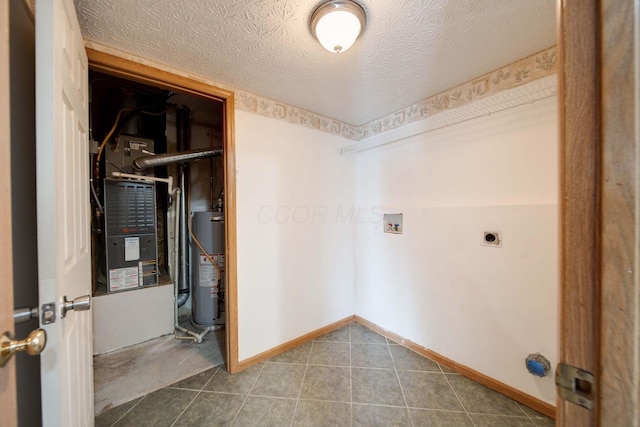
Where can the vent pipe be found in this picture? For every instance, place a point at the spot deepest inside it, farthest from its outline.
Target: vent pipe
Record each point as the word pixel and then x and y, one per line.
pixel 146 162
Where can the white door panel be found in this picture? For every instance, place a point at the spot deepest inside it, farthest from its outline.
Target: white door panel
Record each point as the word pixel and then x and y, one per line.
pixel 64 255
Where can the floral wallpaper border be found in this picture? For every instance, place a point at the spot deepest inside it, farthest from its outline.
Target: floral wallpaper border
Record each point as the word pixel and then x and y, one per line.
pixel 526 70
pixel 266 107
pixel 531 68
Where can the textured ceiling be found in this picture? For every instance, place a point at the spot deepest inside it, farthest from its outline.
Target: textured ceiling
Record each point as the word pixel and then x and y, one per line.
pixel 409 50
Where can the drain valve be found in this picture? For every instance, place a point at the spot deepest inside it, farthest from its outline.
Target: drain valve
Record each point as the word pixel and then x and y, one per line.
pixel 538 365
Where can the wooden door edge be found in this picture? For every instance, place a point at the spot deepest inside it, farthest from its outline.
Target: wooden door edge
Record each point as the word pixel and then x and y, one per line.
pixel 579 139
pixel 8 398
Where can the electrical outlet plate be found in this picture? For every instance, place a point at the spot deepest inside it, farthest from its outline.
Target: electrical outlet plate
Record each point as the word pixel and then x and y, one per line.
pixel 492 238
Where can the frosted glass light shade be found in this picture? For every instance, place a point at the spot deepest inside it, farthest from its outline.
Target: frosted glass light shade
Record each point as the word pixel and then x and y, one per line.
pixel 337 24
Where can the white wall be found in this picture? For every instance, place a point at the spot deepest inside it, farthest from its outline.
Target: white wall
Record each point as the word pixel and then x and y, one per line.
pixel 126 318
pixel 484 307
pixel 295 235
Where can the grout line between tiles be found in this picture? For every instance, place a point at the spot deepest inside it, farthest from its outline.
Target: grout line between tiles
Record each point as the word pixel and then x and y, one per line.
pixel 266 396
pixel 395 369
pixel 458 397
pixel 206 383
pixel 351 376
pixel 284 363
pixel 527 415
pixel 342 402
pixel 437 410
pixel 129 410
pixel 422 371
pixel 500 415
pixel 329 366
pixel 381 405
pixel 186 407
pixel 518 417
pixel 349 366
pixel 370 343
pixel 374 368
pixel 247 395
pixel 196 396
pixel 304 377
pixel 182 388
pixel 225 392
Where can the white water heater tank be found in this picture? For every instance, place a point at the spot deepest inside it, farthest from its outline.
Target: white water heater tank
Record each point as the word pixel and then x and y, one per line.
pixel 207 284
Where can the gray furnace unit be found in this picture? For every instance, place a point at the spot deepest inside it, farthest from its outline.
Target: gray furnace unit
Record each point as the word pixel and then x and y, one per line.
pixel 208 286
pixel 130 235
pixel 127 149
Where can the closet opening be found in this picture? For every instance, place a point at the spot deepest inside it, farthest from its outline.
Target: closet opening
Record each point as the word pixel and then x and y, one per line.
pixel 161 226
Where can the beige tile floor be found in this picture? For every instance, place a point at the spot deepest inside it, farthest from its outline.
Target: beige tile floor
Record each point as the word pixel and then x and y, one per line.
pixel 349 377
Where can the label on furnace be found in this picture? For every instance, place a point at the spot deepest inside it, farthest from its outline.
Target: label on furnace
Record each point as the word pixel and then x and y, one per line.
pixel 123 278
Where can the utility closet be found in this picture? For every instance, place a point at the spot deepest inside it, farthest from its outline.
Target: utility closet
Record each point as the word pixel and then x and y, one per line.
pixel 157 208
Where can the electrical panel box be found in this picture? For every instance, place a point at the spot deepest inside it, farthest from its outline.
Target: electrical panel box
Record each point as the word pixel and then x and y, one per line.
pixel 130 235
pixel 120 157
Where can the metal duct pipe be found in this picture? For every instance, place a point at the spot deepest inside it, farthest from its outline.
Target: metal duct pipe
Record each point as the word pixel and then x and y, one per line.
pixel 183 125
pixel 146 162
pixel 183 283
pixel 182 298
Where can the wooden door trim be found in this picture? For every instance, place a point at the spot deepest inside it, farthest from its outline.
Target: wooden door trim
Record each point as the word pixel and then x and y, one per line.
pixel 579 136
pixel 8 398
pixel 121 67
pixel 600 205
pixel 579 141
pixel 619 339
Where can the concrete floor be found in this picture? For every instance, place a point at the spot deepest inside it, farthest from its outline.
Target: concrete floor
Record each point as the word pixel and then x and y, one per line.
pixel 133 372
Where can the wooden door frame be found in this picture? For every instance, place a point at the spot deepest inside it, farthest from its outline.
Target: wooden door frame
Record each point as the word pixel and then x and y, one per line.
pixel 8 397
pixel 619 289
pixel 599 206
pixel 120 67
pixel 579 139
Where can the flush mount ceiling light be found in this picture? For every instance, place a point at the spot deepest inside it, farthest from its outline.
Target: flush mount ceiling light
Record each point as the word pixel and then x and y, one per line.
pixel 337 24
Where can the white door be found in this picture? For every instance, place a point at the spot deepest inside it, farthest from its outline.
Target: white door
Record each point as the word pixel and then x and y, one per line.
pixel 64 249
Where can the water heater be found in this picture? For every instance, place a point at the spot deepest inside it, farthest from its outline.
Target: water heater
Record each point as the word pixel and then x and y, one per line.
pixel 208 286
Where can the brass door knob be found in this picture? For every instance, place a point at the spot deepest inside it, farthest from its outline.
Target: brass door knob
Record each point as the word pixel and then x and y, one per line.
pixel 33 344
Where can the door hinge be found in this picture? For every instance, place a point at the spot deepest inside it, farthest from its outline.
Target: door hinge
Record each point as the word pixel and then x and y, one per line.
pixel 576 385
